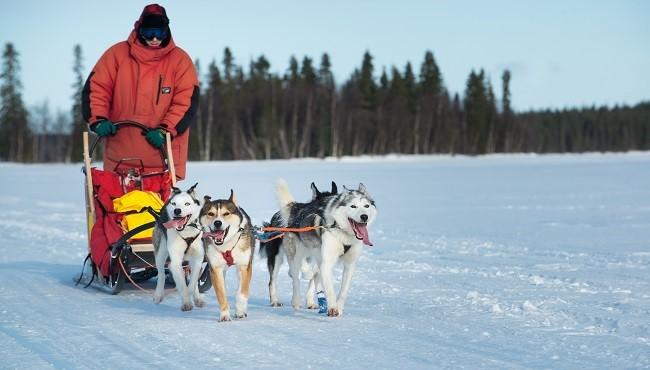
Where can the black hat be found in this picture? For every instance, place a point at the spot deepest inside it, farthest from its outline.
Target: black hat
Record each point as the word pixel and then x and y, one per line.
pixel 153 16
pixel 154 20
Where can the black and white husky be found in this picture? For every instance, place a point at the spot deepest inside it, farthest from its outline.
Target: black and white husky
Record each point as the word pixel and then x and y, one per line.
pixel 344 219
pixel 178 236
pixel 274 252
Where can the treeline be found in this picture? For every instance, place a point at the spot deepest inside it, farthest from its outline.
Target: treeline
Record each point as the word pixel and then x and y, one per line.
pixel 248 112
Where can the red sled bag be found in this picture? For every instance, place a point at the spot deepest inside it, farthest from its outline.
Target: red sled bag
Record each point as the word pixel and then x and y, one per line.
pixel 107 228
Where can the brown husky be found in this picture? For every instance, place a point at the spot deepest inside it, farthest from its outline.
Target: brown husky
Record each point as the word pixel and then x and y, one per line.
pixel 228 240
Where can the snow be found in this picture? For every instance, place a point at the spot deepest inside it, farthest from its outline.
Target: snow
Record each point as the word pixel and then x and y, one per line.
pixel 494 262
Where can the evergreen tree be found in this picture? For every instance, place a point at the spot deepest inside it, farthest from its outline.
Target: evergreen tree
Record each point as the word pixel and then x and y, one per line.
pixel 366 82
pixel 228 65
pixel 309 80
pixel 325 76
pixel 212 121
pixel 327 107
pixel 14 132
pixel 491 120
pixel 507 132
pixel 431 103
pixel 397 109
pixel 476 108
pixel 413 120
pixel 75 147
pixel 430 77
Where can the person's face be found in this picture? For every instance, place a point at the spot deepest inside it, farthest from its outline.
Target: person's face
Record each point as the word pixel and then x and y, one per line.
pixel 154 42
pixel 153 36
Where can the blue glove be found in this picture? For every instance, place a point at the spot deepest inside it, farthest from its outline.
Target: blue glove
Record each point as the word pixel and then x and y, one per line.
pixel 104 128
pixel 156 137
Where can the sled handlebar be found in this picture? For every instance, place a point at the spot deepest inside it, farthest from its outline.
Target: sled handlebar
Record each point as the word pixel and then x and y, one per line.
pixel 144 129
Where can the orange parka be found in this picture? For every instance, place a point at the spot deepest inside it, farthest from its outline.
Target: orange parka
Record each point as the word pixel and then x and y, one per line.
pixel 156 87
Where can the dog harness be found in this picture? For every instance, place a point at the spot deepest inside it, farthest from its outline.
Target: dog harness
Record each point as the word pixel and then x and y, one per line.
pixel 189 241
pixel 227 255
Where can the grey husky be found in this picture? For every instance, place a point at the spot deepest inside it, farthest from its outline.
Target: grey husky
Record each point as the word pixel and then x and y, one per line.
pixel 178 235
pixel 342 220
pixel 274 252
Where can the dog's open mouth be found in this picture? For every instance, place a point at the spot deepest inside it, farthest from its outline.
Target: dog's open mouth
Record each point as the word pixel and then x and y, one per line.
pixel 217 236
pixel 360 231
pixel 177 223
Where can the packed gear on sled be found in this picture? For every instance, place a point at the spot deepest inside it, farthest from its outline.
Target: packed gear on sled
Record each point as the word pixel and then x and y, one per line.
pixel 123 207
pixel 108 227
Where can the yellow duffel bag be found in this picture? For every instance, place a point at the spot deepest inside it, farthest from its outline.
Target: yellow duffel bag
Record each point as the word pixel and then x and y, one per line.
pixel 135 201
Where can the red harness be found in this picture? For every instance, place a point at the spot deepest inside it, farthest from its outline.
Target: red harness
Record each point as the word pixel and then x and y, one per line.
pixel 227 255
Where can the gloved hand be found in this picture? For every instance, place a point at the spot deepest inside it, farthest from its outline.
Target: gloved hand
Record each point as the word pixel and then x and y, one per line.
pixel 104 128
pixel 156 137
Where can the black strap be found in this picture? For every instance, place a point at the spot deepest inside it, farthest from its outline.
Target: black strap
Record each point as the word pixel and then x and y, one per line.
pixel 82 273
pixel 131 233
pixel 116 247
pixel 189 241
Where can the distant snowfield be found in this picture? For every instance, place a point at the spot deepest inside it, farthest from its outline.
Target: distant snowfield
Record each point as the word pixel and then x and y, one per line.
pixel 494 262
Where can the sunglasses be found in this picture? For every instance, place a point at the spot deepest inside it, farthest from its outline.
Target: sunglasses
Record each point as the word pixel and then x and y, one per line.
pixel 150 33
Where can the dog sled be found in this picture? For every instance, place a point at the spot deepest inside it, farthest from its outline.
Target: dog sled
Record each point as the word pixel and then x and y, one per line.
pixel 122 208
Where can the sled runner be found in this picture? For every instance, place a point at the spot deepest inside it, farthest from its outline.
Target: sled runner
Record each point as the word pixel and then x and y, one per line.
pixel 122 209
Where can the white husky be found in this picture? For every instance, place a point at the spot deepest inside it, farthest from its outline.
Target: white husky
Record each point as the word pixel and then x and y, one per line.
pixel 344 219
pixel 178 236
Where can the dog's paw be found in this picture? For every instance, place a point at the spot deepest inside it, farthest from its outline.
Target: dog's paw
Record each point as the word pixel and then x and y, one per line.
pixel 186 307
pixel 225 317
pixel 296 306
pixel 333 312
pixel 199 302
pixel 276 304
pixel 312 306
pixel 241 315
pixel 157 298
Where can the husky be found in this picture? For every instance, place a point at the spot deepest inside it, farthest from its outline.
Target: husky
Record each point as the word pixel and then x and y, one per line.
pixel 274 252
pixel 228 240
pixel 343 220
pixel 178 235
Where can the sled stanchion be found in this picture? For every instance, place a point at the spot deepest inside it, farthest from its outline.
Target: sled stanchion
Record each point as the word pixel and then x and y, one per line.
pixel 90 200
pixel 170 157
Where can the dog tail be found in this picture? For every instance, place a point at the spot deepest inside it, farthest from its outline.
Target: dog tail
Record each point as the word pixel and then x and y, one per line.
pixel 285 199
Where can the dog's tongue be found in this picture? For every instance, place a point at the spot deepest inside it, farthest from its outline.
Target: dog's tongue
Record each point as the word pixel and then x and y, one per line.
pixel 361 232
pixel 217 235
pixel 176 223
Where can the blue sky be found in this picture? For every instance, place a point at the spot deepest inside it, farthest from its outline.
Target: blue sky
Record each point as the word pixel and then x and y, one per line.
pixel 560 53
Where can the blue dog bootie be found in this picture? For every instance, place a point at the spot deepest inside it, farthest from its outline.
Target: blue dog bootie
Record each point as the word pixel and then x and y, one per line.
pixel 322 302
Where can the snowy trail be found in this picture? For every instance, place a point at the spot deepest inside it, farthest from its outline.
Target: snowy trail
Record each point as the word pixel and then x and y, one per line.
pixel 506 262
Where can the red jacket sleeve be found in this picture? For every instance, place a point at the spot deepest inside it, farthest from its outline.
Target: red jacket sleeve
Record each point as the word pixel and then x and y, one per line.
pixel 185 98
pixel 98 90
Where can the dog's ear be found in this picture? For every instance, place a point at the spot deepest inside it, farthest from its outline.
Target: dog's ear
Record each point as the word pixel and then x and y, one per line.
pixel 362 189
pixel 335 190
pixel 314 191
pixel 207 198
pixel 191 189
pixel 232 197
pixel 176 190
